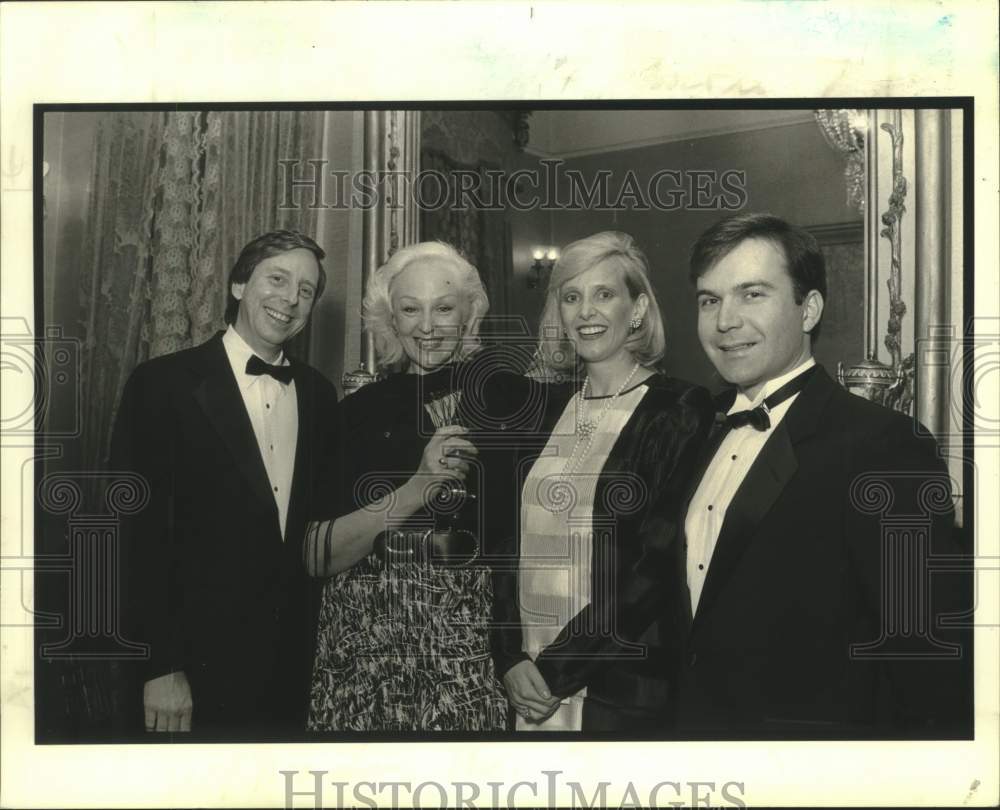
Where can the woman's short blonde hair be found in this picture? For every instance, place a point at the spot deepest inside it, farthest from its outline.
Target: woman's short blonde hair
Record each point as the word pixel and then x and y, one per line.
pixel 647 343
pixel 376 309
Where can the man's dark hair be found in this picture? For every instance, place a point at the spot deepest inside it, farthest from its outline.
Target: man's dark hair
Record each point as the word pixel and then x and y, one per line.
pixel 803 259
pixel 264 247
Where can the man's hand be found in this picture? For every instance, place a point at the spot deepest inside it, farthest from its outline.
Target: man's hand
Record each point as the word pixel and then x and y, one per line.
pixel 528 692
pixel 167 701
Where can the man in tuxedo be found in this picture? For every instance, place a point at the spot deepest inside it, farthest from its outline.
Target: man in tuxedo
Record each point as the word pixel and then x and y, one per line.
pixel 809 612
pixel 230 437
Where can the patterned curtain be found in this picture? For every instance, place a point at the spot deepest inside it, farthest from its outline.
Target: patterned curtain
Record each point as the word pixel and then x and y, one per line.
pixel 478 235
pixel 115 267
pixel 175 196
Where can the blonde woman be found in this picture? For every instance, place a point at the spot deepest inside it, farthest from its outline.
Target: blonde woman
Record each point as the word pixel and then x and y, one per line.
pixel 403 640
pixel 598 529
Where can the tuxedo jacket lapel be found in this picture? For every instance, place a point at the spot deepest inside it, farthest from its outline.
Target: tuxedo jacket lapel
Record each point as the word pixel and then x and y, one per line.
pixel 219 397
pixel 768 476
pixel 718 432
pixel 715 437
pixel 304 444
pixel 775 465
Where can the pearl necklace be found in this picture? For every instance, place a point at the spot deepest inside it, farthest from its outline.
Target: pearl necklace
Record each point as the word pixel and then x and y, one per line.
pixel 586 428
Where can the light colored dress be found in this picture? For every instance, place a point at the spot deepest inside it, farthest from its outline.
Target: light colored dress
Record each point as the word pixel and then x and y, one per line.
pixel 557 534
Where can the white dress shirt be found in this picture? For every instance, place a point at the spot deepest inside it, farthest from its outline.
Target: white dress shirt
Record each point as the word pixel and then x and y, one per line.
pixel 273 410
pixel 723 477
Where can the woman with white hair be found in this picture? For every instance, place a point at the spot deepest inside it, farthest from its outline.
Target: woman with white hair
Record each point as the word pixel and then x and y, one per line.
pixel 403 641
pixel 586 645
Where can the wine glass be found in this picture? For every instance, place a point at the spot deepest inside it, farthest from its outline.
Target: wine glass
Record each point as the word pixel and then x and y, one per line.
pixel 443 409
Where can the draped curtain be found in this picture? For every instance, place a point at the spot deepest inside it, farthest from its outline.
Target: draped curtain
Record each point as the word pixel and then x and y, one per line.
pixel 479 235
pixel 174 198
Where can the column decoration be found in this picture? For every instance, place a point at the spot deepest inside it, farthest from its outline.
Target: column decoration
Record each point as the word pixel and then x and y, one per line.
pixel 899 395
pixel 888 384
pixel 392 161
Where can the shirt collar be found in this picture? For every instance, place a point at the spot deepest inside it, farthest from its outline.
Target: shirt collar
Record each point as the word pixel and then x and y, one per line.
pixel 239 352
pixel 744 403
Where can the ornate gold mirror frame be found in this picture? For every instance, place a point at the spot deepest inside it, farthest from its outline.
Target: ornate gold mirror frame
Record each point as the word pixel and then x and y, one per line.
pixel 912 381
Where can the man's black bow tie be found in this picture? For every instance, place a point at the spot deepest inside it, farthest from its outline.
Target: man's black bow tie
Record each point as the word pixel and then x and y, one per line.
pixel 758 417
pixel 256 367
pixel 755 416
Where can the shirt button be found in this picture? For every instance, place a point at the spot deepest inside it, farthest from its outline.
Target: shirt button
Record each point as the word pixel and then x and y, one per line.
pixel 503 426
pixel 275 489
pixel 734 458
pixel 387 434
pixel 701 566
pixel 267 405
pixel 710 507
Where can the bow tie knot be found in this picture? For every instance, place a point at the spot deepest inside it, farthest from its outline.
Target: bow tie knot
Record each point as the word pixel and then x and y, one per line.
pixel 256 366
pixel 759 417
pixel 756 417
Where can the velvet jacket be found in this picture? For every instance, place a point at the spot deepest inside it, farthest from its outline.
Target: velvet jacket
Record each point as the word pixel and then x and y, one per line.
pixel 616 646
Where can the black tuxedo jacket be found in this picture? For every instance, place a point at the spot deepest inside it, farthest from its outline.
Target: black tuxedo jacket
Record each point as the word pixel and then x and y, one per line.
pixel 805 567
pixel 209 583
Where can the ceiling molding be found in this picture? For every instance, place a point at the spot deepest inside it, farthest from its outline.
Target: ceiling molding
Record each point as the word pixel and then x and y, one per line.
pixel 690 135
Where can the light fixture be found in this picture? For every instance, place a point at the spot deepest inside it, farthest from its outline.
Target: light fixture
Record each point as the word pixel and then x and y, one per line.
pixel 544 260
pixel 846 131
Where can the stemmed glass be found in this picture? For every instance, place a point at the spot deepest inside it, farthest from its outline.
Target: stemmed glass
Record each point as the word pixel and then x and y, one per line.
pixel 443 409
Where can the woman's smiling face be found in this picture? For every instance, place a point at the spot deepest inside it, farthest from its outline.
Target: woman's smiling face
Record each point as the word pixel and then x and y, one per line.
pixel 428 313
pixel 597 309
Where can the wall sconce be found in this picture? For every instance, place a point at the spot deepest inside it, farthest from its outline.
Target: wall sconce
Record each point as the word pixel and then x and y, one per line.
pixel 544 258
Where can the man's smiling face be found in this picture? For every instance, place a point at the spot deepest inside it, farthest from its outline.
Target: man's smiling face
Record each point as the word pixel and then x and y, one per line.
pixel 749 323
pixel 276 301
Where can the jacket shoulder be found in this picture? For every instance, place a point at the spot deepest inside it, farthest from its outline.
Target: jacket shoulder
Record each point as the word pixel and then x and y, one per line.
pixel 666 391
pixel 169 365
pixel 374 402
pixel 862 415
pixel 319 382
pixel 874 431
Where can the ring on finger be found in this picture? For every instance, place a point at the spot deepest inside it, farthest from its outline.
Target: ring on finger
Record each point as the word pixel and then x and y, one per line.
pixel 443 461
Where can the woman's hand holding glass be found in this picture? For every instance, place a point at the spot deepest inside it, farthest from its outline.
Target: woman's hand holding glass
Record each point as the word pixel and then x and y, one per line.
pixel 446 458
